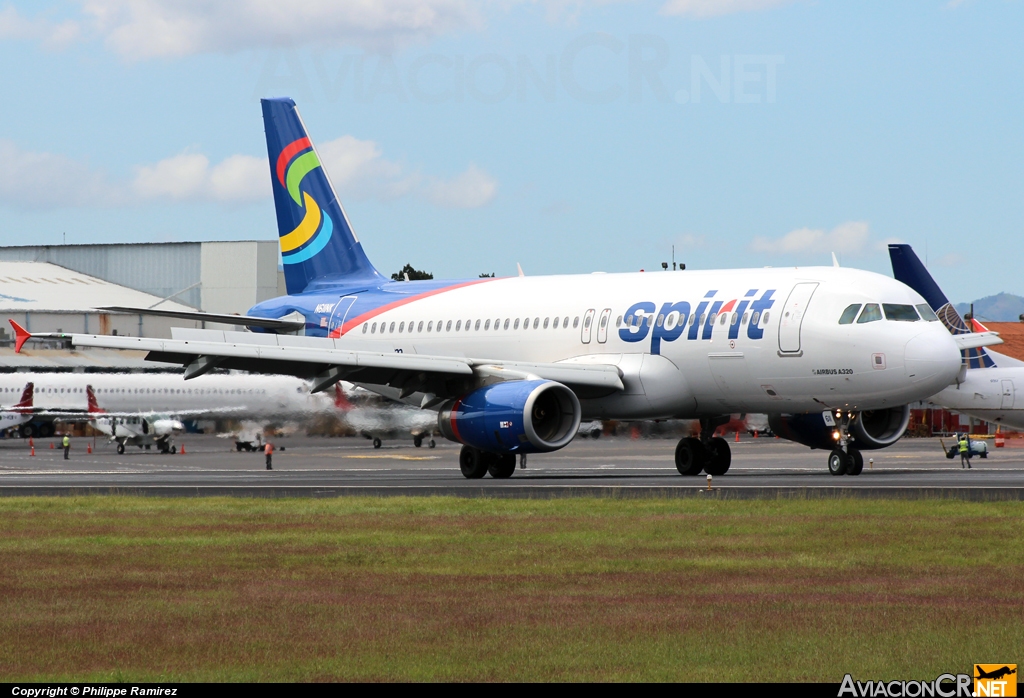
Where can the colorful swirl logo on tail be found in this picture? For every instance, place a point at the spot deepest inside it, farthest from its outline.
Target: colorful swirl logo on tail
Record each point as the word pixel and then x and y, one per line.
pixel 312 234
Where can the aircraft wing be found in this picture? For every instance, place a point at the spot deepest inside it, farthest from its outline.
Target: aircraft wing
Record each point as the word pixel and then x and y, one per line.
pixel 223 319
pixel 320 359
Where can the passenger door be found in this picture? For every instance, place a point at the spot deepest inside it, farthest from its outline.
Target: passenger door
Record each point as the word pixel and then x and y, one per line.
pixel 792 317
pixel 602 326
pixel 339 315
pixel 588 322
pixel 1007 399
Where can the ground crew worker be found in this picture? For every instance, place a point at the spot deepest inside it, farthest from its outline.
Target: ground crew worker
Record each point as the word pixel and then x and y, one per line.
pixel 268 449
pixel 965 451
pixel 67 446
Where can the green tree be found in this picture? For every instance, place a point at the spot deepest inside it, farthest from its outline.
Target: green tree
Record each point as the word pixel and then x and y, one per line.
pixel 414 274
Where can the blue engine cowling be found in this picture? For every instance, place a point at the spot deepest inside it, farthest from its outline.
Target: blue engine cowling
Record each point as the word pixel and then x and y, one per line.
pixel 513 417
pixel 869 430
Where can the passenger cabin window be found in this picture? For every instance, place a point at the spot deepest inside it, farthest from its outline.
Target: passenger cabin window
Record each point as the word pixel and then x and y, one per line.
pixel 487 325
pixel 902 313
pixel 505 326
pixel 448 327
pixel 477 325
pixel 870 313
pixel 849 315
pixel 565 322
pixel 516 326
pixel 536 322
pixel 575 322
pixel 927 314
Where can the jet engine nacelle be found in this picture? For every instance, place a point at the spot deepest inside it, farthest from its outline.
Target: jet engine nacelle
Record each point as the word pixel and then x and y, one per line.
pixel 528 416
pixel 868 430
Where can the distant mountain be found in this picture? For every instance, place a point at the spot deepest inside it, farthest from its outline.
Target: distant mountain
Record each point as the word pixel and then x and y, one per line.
pixel 1004 307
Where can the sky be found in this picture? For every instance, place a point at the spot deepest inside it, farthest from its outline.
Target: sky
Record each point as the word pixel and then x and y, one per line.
pixel 568 136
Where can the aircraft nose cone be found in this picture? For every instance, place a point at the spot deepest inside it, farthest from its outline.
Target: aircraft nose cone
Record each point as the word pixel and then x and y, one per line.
pixel 932 357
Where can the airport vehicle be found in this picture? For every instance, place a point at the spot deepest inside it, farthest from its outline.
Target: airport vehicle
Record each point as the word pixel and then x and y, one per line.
pixel 512 365
pixel 16 417
pixel 986 387
pixel 977 446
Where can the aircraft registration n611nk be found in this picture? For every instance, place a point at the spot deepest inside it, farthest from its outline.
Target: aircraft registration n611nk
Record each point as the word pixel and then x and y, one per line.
pixel 512 364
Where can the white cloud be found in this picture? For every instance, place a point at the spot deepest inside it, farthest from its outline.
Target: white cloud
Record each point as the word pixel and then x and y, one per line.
pixel 141 29
pixel 357 169
pixel 848 238
pixel 471 189
pixel 36 180
pixel 714 8
pixel 50 34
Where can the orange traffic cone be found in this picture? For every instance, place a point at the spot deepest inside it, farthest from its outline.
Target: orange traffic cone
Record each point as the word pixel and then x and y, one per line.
pixel 755 433
pixel 182 449
pixel 51 446
pixel 33 452
pixel 88 448
pixel 737 436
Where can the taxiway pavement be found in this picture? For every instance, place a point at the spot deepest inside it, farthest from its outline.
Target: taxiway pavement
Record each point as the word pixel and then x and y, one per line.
pixel 314 466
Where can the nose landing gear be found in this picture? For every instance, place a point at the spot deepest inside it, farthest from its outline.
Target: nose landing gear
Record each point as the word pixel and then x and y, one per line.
pixel 709 453
pixel 844 458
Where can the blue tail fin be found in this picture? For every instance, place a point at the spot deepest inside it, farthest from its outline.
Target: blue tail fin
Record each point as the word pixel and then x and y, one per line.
pixel 315 236
pixel 907 268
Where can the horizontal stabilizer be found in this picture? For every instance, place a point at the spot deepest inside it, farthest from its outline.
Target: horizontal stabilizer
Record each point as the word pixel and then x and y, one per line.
pixel 267 323
pixel 974 340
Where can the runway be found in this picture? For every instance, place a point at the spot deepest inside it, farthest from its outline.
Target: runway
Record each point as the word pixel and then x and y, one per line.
pixel 312 466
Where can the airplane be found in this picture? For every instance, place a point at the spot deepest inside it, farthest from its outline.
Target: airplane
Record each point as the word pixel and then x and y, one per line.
pixel 512 365
pixel 15 417
pixel 133 429
pixel 63 397
pixel 988 381
pixel 995 673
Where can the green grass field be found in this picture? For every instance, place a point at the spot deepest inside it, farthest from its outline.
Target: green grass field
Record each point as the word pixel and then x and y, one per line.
pixel 137 589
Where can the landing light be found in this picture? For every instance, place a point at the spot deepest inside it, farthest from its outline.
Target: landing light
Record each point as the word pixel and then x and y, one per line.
pixel 835 435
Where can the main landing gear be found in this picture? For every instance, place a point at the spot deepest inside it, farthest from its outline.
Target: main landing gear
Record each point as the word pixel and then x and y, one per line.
pixel 710 454
pixel 475 463
pixel 844 458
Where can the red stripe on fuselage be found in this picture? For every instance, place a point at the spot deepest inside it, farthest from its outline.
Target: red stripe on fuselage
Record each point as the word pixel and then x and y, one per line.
pixel 286 155
pixel 728 306
pixel 370 314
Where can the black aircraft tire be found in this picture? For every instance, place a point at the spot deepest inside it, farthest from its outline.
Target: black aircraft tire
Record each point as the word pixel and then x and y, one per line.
pixel 120 449
pixel 472 463
pixel 838 462
pixel 856 465
pixel 431 443
pixel 417 441
pixel 719 457
pixel 376 443
pixel 502 466
pixel 690 456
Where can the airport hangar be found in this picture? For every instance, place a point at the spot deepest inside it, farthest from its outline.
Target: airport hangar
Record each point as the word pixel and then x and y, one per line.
pixel 57 288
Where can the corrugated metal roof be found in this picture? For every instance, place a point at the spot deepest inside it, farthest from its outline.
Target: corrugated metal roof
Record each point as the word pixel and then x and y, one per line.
pixel 35 359
pixel 44 287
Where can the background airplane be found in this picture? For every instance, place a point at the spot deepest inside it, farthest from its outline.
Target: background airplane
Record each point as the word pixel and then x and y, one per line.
pixel 987 385
pixel 18 415
pixel 512 365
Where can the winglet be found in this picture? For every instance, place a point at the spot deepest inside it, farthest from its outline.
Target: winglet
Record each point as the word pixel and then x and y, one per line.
pixel 520 269
pixel 21 335
pixel 977 326
pixel 835 262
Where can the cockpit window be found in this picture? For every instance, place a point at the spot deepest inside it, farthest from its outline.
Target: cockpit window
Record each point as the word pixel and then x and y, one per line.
pixel 904 313
pixel 927 313
pixel 850 314
pixel 871 313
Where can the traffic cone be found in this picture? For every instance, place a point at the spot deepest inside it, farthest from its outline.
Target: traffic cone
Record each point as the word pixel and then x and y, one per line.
pixel 51 446
pixel 33 452
pixel 755 434
pixel 88 448
pixel 182 451
pixel 737 436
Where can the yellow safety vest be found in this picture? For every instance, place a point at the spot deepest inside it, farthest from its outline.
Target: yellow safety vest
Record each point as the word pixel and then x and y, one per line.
pixel 67 441
pixel 963 446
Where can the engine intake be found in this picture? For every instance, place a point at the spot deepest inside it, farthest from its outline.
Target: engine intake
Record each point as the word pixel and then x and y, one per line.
pixel 869 430
pixel 513 417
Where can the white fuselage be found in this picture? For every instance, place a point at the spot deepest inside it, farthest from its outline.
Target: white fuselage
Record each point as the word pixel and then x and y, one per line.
pixel 209 396
pixel 791 356
pixel 988 394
